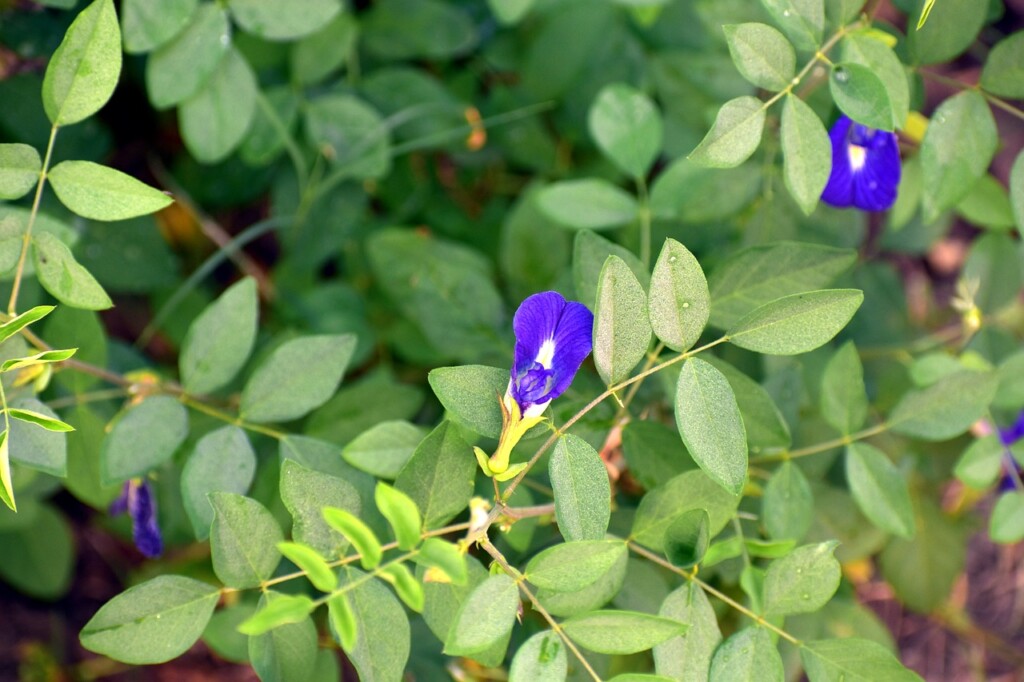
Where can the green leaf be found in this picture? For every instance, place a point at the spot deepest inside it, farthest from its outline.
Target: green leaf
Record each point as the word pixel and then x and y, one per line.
pixel 541 658
pixel 485 617
pixel 20 167
pixel 299 376
pixel 981 463
pixel 761 274
pixel 654 452
pixel 788 503
pixel 679 302
pixel 797 323
pixel 418 29
pixel 620 632
pixel 101 193
pixel 802 20
pixel 952 27
pixel 220 339
pixel 865 49
pixel 879 489
pixel 581 488
pixel 63 277
pixel 19 322
pixel 408 589
pixel 437 553
pixel 401 512
pixel 734 136
pixel 223 461
pixel 690 490
pixel 956 151
pixel 152 622
pixel 852 660
pixel 589 204
pixel 304 493
pixel 591 597
pixel 571 566
pixel 357 533
pixel 243 540
pixel 381 647
pixel 148 24
pixel 6 485
pixel 343 620
pixel 803 581
pixel 222 635
pixel 1006 524
pixel 50 423
pixel 1003 74
pixel 287 652
pixel 282 609
pixel 710 424
pixel 317 55
pixel 994 263
pixel 762 420
pixel 679 191
pixel 83 71
pixel 215 120
pixel 42 358
pixel 351 134
pixel 945 409
pixel 39 552
pixel 590 251
pixel 439 476
pixel 687 658
pixel 471 393
pixel 747 655
pixel 807 153
pixel 271 20
pixel 180 68
pixel 1017 190
pixel 844 400
pixel 622 331
pixel 987 205
pixel 687 539
pixel 308 560
pixel 37 437
pixel 761 54
pixel 143 438
pixel 384 449
pixel 627 127
pixel 860 94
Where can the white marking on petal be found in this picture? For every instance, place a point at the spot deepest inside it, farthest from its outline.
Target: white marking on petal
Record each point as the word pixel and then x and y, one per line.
pixel 546 354
pixel 858 155
pixel 536 410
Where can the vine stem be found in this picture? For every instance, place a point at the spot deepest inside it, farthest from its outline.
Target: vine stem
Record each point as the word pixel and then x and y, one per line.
pixel 555 626
pixel 960 85
pixel 12 304
pixel 822 447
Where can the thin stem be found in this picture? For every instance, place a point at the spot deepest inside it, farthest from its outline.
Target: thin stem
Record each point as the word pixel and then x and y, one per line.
pixel 528 512
pixel 12 304
pixel 823 447
pixel 960 85
pixel 349 586
pixel 645 222
pixel 692 577
pixel 199 406
pixel 555 626
pixel 83 398
pixel 652 357
pixel 290 145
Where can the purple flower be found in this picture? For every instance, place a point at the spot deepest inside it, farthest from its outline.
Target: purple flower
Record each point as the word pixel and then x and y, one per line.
pixel 1012 434
pixel 1009 436
pixel 137 499
pixel 553 338
pixel 865 167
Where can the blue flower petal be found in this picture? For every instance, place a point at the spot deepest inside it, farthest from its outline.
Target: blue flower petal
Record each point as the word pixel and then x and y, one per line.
pixel 145 530
pixel 1013 433
pixel 871 182
pixel 839 190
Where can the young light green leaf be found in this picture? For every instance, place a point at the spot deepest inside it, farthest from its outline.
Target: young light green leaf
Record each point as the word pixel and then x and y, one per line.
pixel 956 151
pixel 622 331
pixel 747 655
pixel 485 617
pixel 470 393
pixel 223 461
pixel 215 120
pixel 620 632
pixel 148 24
pixel 688 657
pixel 343 620
pixel 62 276
pixel 101 193
pixel 734 136
pixel 40 419
pixel 282 609
pixel 357 533
pixel 690 490
pixel 6 485
pixel 541 658
pixel 678 301
pixel 384 449
pixel 797 323
pixel 19 322
pixel 582 491
pixel 437 553
pixel 687 538
pixel 844 400
pixel 45 357
pixel 981 463
pixel 627 127
pixel 710 424
pixel 305 492
pixel 861 95
pixel 380 649
pixel 299 376
pixel 408 589
pixel 401 512
pixel 143 438
pixel 243 540
pixel 879 489
pixel 1006 524
pixel 761 54
pixel 1003 74
pixel 807 153
pixel 220 339
pixel 852 660
pixel 571 566
pixel 151 622
pixel 946 408
pixel 288 652
pixel 271 20
pixel 182 66
pixel 20 166
pixel 803 581
pixel 802 20
pixel 589 204
pixel 787 507
pixel 309 560
pixel 83 71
